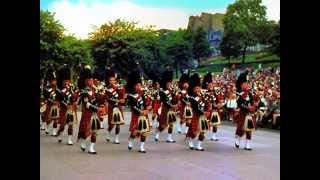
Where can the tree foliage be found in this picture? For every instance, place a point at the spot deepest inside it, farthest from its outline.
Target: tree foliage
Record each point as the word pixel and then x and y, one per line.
pixel 246 19
pixel 51 33
pixel 201 46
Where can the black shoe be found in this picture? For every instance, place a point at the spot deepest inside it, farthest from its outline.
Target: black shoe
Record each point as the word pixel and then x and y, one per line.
pixel 237 146
pixel 83 149
pixel 142 151
pixel 92 152
pixel 60 140
pixel 199 149
pixel 156 140
pixel 129 148
pixel 115 142
pixel 191 148
pixel 108 140
pixel 214 139
pixel 248 149
pixel 170 141
pixel 47 132
pixel 179 132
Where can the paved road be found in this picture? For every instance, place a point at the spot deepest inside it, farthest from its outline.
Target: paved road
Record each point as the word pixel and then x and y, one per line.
pixel 163 161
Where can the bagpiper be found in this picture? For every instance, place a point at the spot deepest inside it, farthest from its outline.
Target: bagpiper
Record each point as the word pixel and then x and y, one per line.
pixel 199 123
pixel 245 120
pixel 99 86
pixel 156 103
pixel 68 105
pixel 185 110
pixel 211 105
pixel 169 102
pixel 43 104
pixel 116 99
pixel 89 123
pixel 52 96
pixel 140 105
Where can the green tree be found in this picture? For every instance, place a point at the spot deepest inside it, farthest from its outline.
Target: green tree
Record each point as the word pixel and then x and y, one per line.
pixel 51 33
pixel 201 46
pixel 245 18
pixel 230 46
pixel 275 39
pixel 122 44
pixel 73 51
pixel 178 47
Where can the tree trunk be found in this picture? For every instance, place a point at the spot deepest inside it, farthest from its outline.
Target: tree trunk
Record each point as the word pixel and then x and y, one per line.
pixel 199 61
pixel 244 54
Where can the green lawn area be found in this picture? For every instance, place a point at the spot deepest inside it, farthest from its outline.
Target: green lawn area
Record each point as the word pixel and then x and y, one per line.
pixel 221 62
pixel 260 56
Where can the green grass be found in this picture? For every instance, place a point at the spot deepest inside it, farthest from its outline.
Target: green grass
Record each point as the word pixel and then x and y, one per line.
pixel 260 56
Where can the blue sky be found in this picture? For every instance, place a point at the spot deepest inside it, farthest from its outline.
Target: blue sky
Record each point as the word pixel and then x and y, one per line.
pixel 80 17
pixel 196 5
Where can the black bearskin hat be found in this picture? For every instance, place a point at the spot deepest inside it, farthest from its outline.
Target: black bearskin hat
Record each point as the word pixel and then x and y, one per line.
pixel 108 74
pixel 51 74
pixel 84 74
pixel 183 79
pixel 206 80
pixel 133 79
pixel 99 74
pixel 64 74
pixel 41 73
pixel 167 76
pixel 154 77
pixel 194 81
pixel 241 79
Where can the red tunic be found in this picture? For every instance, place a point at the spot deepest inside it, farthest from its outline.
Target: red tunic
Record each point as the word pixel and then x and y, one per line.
pixel 156 104
pixel 111 105
pixel 194 126
pixel 85 126
pixel 163 123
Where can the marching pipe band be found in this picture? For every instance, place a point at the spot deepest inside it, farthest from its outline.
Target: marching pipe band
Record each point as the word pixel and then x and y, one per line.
pixel 199 106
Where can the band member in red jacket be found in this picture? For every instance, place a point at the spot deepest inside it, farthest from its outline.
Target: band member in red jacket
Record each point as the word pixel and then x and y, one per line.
pixel 89 123
pixel 116 99
pixel 168 107
pixel 68 105
pixel 140 105
pixel 185 111
pixel 156 103
pixel 211 105
pixel 43 103
pixel 52 96
pixel 199 123
pixel 245 119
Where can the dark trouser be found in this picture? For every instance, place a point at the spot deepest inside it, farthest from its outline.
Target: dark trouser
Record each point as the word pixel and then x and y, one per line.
pixel 240 132
pixel 214 129
pixel 201 136
pixel 143 136
pixel 93 136
pixel 117 128
pixel 70 129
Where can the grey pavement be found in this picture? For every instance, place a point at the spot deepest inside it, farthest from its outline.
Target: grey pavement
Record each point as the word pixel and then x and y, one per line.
pixel 163 161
